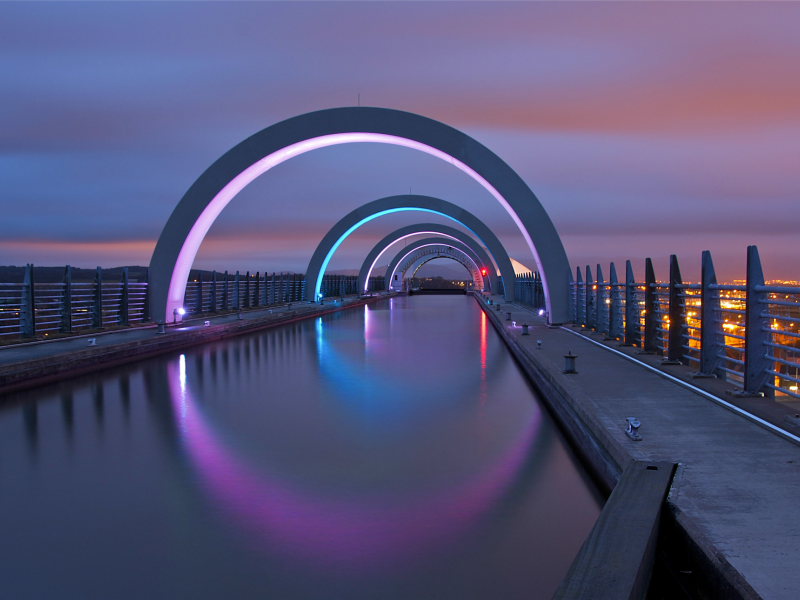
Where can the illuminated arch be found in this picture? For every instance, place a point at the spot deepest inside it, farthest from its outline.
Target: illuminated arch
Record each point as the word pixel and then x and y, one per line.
pixel 201 204
pixel 433 247
pixel 353 220
pixel 441 230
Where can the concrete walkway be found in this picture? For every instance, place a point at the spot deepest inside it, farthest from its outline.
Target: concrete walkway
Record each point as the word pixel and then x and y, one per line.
pixel 738 487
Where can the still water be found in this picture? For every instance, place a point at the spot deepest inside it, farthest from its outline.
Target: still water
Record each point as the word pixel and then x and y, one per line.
pixel 387 451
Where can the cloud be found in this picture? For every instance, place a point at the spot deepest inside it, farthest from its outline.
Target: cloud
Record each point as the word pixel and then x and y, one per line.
pixel 656 119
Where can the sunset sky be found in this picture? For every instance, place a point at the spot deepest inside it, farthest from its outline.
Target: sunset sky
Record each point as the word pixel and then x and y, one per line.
pixel 645 129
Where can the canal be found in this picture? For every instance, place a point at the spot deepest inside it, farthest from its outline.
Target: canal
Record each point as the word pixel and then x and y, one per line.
pixel 389 451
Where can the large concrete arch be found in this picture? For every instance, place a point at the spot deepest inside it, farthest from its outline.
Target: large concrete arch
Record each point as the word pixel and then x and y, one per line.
pixel 422 228
pixel 391 204
pixel 201 204
pixel 406 258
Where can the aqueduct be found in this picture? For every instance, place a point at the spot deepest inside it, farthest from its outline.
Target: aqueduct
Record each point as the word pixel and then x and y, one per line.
pixel 423 228
pixel 218 185
pixel 431 248
pixel 350 222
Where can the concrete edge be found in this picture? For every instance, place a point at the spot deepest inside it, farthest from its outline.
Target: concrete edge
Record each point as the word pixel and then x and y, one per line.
pixel 20 376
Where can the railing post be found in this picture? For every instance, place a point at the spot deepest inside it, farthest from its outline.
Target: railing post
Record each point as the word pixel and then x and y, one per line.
pixel 602 305
pixel 198 301
pixel 756 328
pixel 27 309
pixel 225 300
pixel 580 303
pixel 212 300
pixel 66 302
pixel 591 305
pixel 146 306
pixel 572 296
pixel 123 317
pixel 711 334
pixel 677 336
pixel 631 307
pixel 257 290
pixel 539 290
pixel 650 300
pixel 97 299
pixel 236 300
pixel 273 290
pixel 614 321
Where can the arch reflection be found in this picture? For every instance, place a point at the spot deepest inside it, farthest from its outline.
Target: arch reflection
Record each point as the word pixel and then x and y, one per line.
pixel 328 529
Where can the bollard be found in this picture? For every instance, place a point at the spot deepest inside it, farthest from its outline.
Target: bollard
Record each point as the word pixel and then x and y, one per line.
pixel 633 429
pixel 206 323
pixel 489 302
pixel 525 329
pixel 92 341
pixel 160 327
pixel 538 344
pixel 569 362
pixel 239 315
pixel 508 316
pixel 290 306
pixel 498 308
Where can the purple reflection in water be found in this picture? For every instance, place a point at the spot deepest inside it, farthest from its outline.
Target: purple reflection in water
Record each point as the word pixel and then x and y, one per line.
pixel 377 531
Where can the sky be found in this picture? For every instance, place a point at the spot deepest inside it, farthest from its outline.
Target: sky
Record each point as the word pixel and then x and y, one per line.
pixel 645 129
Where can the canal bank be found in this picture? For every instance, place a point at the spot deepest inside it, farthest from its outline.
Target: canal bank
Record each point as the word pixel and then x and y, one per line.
pixel 29 365
pixel 729 529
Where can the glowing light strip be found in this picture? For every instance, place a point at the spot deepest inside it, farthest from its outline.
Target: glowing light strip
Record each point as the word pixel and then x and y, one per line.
pixel 399 262
pixel 186 256
pixel 352 229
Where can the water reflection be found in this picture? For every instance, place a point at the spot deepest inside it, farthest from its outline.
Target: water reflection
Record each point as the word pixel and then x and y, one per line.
pixel 339 531
pixel 386 452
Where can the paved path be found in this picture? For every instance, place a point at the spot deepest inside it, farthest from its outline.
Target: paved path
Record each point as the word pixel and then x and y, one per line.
pixel 739 483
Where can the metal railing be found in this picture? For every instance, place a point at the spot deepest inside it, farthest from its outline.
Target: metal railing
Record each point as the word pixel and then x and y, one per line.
pixel 40 310
pixel 528 290
pixel 747 334
pixel 30 309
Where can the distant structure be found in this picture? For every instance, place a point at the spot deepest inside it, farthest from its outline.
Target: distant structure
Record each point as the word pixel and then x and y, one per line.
pixel 198 209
